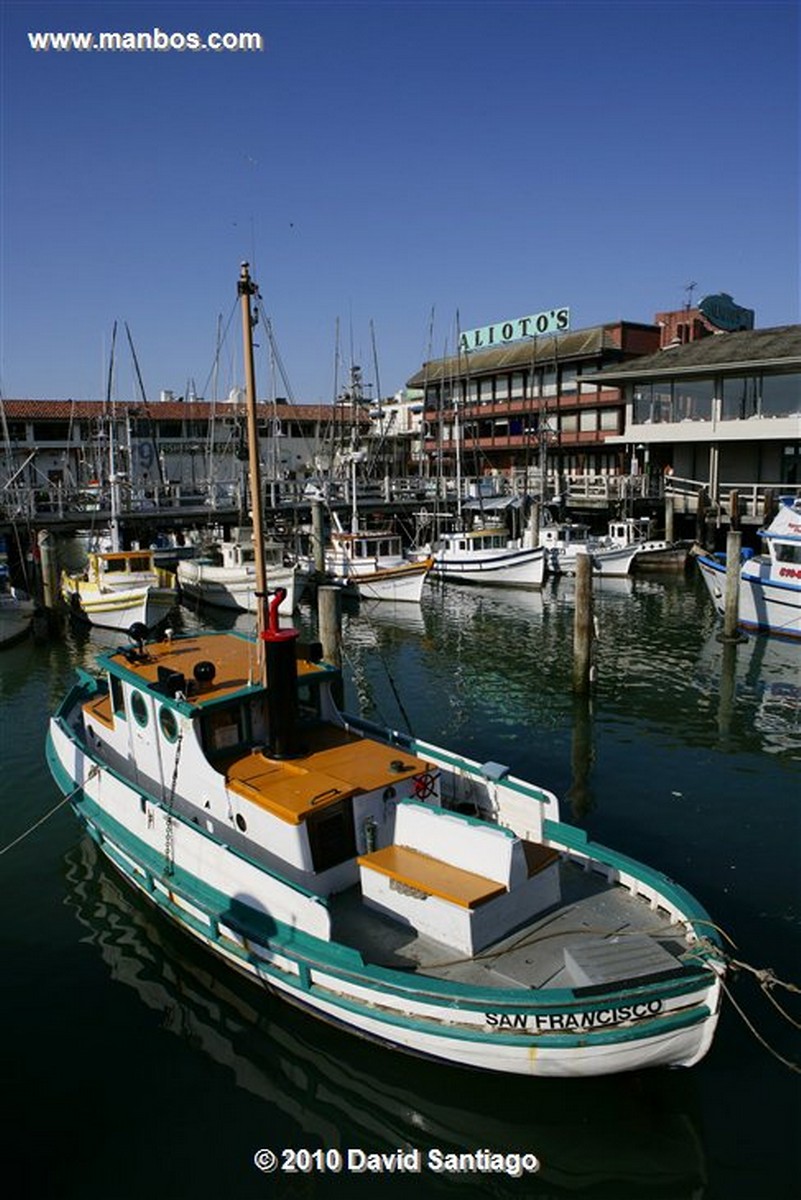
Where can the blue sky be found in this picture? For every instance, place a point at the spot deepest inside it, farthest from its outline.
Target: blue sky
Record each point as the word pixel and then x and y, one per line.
pixel 380 162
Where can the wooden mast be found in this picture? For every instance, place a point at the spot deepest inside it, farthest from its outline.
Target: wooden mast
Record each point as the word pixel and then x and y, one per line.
pixel 245 289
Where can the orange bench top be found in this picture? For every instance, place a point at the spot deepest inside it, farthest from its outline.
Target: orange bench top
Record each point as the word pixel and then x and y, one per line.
pixel 427 874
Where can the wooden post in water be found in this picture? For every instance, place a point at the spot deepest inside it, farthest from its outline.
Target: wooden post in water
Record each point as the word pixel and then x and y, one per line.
pixel 318 546
pixel 734 509
pixel 731 611
pixel 670 510
pixel 583 625
pixel 768 506
pixel 700 517
pixel 48 560
pixel 329 627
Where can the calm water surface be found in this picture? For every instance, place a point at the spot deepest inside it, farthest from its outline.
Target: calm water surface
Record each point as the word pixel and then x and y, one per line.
pixel 134 1063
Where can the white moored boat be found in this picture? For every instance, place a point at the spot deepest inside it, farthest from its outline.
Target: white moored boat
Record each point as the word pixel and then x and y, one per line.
pixel 373 563
pixel 564 541
pixel 769 583
pixel 16 611
pixel 403 892
pixel 652 553
pixel 488 556
pixel 225 576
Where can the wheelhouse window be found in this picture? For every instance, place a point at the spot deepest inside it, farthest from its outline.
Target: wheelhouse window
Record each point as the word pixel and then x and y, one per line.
pixel 117 701
pixel 168 723
pixel 139 709
pixel 223 729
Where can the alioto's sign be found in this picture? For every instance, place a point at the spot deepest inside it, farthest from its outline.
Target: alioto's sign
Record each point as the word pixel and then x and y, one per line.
pixel 553 320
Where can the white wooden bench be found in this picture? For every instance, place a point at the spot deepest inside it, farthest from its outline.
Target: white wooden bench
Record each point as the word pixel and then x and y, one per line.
pixel 459 880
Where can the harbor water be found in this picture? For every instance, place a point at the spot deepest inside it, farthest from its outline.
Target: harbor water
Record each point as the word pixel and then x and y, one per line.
pixel 134 1063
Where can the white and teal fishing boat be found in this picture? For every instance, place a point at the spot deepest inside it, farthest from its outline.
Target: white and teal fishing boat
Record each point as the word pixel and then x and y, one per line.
pixel 397 890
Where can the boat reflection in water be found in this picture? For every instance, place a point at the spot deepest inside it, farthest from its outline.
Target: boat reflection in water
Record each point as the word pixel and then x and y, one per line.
pixel 617 1136
pixel 755 687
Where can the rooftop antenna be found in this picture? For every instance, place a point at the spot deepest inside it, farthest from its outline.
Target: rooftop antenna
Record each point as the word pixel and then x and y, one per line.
pixel 689 289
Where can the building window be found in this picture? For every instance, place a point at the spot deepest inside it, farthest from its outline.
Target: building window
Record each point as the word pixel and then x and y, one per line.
pixel 502 387
pixel 781 395
pixel 653 402
pixel 51 431
pixel 518 385
pixel 740 398
pixel 610 420
pixel 568 422
pixel 485 390
pixel 692 400
pixel 588 421
pixel 568 379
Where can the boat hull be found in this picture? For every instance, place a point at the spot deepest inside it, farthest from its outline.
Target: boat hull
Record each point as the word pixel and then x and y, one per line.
pixel 283 939
pixel 523 568
pixel 118 609
pixel 403 584
pixel 16 618
pixel 613 563
pixel 766 605
pixel 223 587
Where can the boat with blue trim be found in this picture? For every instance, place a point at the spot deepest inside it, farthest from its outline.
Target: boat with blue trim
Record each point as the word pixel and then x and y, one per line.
pixel 397 890
pixel 770 582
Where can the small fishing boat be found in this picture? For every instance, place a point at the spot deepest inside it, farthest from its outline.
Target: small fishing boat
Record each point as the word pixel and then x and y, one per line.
pixel 405 893
pixel 488 556
pixel 120 588
pixel 769 583
pixel 224 575
pixel 652 553
pixel 16 611
pixel 372 562
pixel 564 541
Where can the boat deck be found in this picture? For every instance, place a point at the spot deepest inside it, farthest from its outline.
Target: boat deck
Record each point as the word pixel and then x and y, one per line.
pixel 549 952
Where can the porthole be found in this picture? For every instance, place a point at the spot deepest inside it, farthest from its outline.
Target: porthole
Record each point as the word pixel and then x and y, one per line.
pixel 241 823
pixel 168 723
pixel 139 708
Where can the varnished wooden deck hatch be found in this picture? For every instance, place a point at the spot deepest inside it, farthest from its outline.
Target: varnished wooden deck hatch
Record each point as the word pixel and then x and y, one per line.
pixel 336 765
pixel 426 874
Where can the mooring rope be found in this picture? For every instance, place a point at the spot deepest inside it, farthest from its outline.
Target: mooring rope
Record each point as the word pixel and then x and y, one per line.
pixel 65 800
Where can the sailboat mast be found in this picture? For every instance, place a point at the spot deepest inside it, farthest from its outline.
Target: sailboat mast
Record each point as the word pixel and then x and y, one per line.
pixel 247 288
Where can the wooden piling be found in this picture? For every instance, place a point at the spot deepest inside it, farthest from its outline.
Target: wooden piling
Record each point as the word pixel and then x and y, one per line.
pixel 329 627
pixel 734 509
pixel 48 560
pixel 700 517
pixel 731 611
pixel 318 542
pixel 670 511
pixel 583 625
